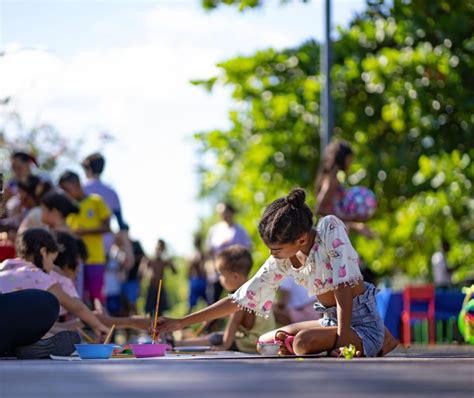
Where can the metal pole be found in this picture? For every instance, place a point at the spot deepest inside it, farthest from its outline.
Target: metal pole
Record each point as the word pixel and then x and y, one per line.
pixel 327 111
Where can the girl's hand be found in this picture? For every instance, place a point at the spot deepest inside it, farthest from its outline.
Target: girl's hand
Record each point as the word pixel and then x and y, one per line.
pixel 167 325
pixel 101 330
pixel 138 322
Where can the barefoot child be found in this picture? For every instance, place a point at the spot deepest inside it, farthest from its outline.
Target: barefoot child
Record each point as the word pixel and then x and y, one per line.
pixel 155 270
pixel 323 260
pixel 243 328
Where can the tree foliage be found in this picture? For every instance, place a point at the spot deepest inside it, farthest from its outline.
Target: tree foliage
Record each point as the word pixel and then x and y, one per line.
pixel 403 96
pixel 242 4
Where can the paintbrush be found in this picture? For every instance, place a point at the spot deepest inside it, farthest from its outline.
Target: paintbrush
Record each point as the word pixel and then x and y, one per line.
pixel 157 306
pixel 107 339
pixel 86 336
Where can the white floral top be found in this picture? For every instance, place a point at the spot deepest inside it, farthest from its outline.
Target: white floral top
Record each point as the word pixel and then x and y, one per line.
pixel 332 261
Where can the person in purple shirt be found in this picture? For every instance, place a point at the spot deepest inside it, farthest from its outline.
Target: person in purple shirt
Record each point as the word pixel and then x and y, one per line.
pixel 93 167
pixel 220 236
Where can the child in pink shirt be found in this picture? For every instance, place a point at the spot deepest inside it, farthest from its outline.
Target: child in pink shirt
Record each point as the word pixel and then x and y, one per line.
pixel 38 249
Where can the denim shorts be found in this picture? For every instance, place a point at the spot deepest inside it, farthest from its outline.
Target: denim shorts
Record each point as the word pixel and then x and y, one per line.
pixel 366 320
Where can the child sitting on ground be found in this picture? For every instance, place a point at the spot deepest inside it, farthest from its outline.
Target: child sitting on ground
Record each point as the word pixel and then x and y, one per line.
pixel 323 260
pixel 243 328
pixel 37 250
pixel 71 250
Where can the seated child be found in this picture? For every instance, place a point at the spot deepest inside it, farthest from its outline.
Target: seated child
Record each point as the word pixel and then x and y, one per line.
pixel 37 250
pixel 243 328
pixel 323 260
pixel 71 250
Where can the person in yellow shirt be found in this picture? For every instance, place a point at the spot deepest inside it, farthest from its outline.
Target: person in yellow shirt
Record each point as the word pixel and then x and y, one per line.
pixel 91 223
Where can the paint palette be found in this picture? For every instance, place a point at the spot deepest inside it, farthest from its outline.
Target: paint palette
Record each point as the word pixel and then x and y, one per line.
pixel 95 351
pixel 268 349
pixel 149 350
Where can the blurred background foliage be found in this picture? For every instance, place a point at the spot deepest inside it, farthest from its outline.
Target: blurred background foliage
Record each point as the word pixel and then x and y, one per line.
pixel 403 93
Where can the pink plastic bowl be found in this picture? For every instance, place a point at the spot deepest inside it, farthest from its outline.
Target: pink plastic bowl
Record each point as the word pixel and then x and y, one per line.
pixel 149 350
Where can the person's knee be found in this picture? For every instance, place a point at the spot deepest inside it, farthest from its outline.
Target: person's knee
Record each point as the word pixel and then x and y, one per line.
pixel 306 342
pixel 46 304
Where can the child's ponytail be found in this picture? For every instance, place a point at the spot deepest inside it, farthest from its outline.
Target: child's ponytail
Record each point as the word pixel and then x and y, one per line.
pixel 285 219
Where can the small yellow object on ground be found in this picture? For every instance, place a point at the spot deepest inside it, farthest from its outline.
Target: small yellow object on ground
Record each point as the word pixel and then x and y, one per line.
pixel 349 352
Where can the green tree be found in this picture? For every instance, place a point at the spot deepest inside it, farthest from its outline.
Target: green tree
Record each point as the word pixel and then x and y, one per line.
pixel 403 96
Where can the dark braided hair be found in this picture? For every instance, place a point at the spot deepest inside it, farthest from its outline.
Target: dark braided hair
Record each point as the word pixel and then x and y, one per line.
pixel 32 240
pixel 71 250
pixel 286 219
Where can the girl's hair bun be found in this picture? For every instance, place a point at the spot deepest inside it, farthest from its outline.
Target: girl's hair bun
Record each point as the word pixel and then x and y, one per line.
pixel 296 198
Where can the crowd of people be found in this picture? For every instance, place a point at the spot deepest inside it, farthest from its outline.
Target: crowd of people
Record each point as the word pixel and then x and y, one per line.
pixel 57 247
pixel 56 240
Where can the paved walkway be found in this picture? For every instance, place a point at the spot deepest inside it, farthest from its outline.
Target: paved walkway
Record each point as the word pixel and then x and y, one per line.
pixel 420 372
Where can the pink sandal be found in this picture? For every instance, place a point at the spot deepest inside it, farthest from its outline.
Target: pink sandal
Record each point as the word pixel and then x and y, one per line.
pixel 288 341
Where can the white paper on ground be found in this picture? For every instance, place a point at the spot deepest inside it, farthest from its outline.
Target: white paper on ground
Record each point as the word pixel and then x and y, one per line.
pixel 193 348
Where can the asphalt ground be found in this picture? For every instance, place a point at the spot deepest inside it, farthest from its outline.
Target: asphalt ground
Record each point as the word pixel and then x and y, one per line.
pixel 440 371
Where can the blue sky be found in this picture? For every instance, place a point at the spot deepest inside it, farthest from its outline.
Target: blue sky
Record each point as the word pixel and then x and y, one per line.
pixel 124 67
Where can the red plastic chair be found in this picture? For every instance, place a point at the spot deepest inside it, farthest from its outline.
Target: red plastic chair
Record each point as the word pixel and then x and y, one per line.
pixel 411 294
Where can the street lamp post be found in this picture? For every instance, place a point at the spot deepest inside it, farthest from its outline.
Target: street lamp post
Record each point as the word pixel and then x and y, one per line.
pixel 327 111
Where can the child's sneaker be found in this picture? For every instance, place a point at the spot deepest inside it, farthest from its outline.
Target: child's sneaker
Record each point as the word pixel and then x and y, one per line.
pixel 61 344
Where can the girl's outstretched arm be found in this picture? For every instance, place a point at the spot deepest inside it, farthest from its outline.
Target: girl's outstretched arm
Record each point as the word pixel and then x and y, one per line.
pixel 125 322
pixel 217 310
pixel 78 308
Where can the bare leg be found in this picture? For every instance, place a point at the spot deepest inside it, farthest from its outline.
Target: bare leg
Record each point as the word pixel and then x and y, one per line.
pixel 317 340
pixel 389 344
pixel 311 337
pixel 292 329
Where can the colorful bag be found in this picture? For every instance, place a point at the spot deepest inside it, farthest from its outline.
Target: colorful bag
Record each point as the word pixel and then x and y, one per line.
pixel 358 203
